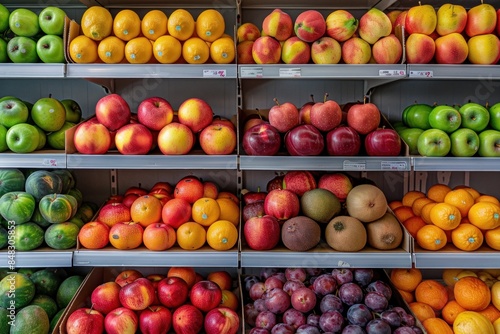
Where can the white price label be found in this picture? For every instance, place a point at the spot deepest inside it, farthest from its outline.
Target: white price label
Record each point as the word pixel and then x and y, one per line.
pixel 354 165
pixel 290 72
pixel 393 165
pixel 49 162
pixel 421 74
pixel 251 72
pixel 214 73
pixel 391 73
pixel 344 264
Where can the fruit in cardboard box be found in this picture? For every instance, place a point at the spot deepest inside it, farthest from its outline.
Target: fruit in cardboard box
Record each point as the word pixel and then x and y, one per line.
pixel 187 319
pixel 105 297
pixel 137 295
pixel 172 292
pixel 85 320
pixel 121 320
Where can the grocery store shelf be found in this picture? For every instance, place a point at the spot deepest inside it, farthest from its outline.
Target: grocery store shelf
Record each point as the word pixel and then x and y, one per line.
pixel 159 3
pixel 314 71
pixel 462 71
pixel 141 257
pixel 39 159
pixel 176 71
pixel 151 161
pixel 35 70
pixel 42 257
pixel 326 163
pixel 454 164
pixel 324 256
pixel 317 4
pixel 451 257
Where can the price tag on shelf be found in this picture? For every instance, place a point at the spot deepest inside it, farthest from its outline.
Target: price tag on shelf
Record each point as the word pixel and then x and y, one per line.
pixel 49 162
pixel 393 165
pixel 344 264
pixel 421 74
pixel 391 73
pixel 251 72
pixel 290 72
pixel 354 165
pixel 214 73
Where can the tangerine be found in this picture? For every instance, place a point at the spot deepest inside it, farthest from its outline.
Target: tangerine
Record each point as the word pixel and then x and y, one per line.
pixel 94 235
pixel 491 312
pixel 487 198
pixel 485 215
pixel 406 279
pixel 191 236
pixel 438 191
pixel 222 235
pixel 395 204
pixel 450 311
pixel 188 274
pixel 230 300
pixel 146 210
pixel 205 211
pixel 445 216
pixel 492 238
pixel 419 203
pixel 425 213
pixel 181 24
pixel 433 293
pixel 422 311
pixel 404 212
pixel 472 293
pixel 450 276
pixel 210 25
pixel 461 199
pixel 437 326
pixel 467 237
pixel 431 237
pixel 229 210
pixel 413 224
pixel 411 196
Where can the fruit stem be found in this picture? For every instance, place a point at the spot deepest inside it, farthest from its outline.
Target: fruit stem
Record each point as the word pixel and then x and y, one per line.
pixel 50 95
pixel 258 113
pixel 276 101
pixel 326 96
pixel 258 189
pixel 364 99
pixel 487 105
pixel 420 3
pixel 312 97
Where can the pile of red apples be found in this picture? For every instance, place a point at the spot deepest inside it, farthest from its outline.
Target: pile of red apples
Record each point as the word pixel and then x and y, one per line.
pixel 320 128
pixel 154 125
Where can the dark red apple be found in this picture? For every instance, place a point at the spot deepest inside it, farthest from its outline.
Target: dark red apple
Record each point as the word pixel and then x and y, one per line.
pixel 253 196
pixel 172 292
pixel 304 139
pixel 363 117
pixel 343 141
pixel 187 319
pixel 282 204
pixel 326 115
pixel 262 233
pixel 261 139
pixel 255 209
pixel 299 181
pixel 205 295
pixel 283 116
pixel 127 276
pixel 221 320
pixel 155 319
pixel 383 142
pixel 275 183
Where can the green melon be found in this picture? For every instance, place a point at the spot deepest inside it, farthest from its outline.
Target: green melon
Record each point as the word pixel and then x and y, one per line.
pixel 67 178
pixel 55 319
pixel 28 236
pixel 47 303
pixel 17 207
pixel 32 319
pixel 68 289
pixel 43 182
pixel 62 235
pixel 56 208
pixel 76 193
pixel 17 288
pixel 46 282
pixel 27 271
pixel 11 179
pixel 4 237
pixel 39 220
pixel 4 320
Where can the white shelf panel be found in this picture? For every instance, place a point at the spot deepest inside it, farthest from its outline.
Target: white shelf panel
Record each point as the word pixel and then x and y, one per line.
pixel 40 159
pixel 455 164
pixel 461 71
pixel 43 257
pixel 451 257
pixel 36 70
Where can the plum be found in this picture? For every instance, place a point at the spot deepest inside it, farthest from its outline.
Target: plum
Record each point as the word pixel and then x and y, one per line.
pixel 277 300
pixel 314 271
pixel 280 275
pixel 273 282
pixel 282 328
pixel 266 272
pixel 249 281
pixel 363 276
pixel 307 329
pixel 342 275
pixel 407 320
pixel 359 314
pixel 257 330
pixel 265 319
pixel 260 305
pixel 324 284
pixel 417 330
pixel 313 319
pixel 353 329
pixel 392 317
pixel 294 318
pixel 350 293
pixel 295 274
pixel 376 301
pixel 378 326
pixel 331 321
pixel 303 299
pixel 404 330
pixel 382 287
pixel 290 286
pixel 250 314
pixel 257 290
pixel 331 302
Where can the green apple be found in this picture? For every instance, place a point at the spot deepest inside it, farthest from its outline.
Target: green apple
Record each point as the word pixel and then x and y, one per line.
pixel 73 110
pixel 56 139
pixel 464 142
pixel 51 20
pixel 13 112
pixel 8 97
pixel 42 138
pixel 22 138
pixel 474 116
pixel 398 126
pixel 495 116
pixel 445 118
pixel 3 138
pixel 417 116
pixel 4 18
pixel 489 143
pixel 433 143
pixel 49 114
pixel 24 22
pixel 410 137
pixel 4 57
pixel 22 50
pixel 50 49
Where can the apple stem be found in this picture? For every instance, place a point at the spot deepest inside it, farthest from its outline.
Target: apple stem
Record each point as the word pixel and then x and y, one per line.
pixel 487 105
pixel 258 189
pixel 258 113
pixel 50 95
pixel 326 96
pixel 149 307
pixel 312 97
pixel 92 307
pixel 364 99
pixel 276 101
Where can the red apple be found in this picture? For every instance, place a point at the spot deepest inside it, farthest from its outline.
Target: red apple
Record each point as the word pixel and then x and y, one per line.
pixel 363 117
pixel 221 320
pixel 254 209
pixel 155 279
pixel 133 139
pixel 253 196
pixel 244 52
pixel 217 119
pixel 261 139
pixel 210 189
pixel 114 199
pixel 383 142
pixel 176 212
pixel 282 204
pixel 262 233
pixel 187 319
pixel 310 25
pixel 299 182
pixel 156 319
pixel 129 199
pixel 112 111
pixel 127 276
pixel 135 190
pixel 275 183
pixel 338 183
pixel 304 139
pixel 266 50
pixel 163 185
pixel 92 138
pixel 105 297
pixel 137 295
pixel 218 139
pixel 159 237
pixel 121 321
pixel 195 113
pixel 283 116
pixel 222 278
pixel 172 292
pixel 205 295
pixel 155 113
pixel 189 188
pixel 343 140
pixel 113 213
pixel 175 138
pixel 305 111
pixel 251 121
pixel 85 320
pixel 326 115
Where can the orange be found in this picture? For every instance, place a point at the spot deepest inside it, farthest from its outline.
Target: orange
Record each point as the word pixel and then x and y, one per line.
pixel 492 238
pixel 154 24
pixel 425 213
pixel 406 279
pixel 191 236
pixel 229 210
pixel 433 293
pixel 474 193
pixel 449 289
pixel 445 216
pixel 188 274
pixel 419 203
pixel 222 51
pixel 402 213
pixel 222 278
pixel 487 198
pixel 146 210
pixel 126 25
pixel 413 224
pixel 205 211
pixel 438 191
pixel 167 49
pixel 195 51
pixel 485 215
pixel 431 237
pixel 83 50
pixel 422 310
pixel 94 235
pixel 491 312
pixel 229 195
pixel 111 50
pixel 411 196
pixel 96 23
pixel 437 326
pixel 210 25
pixel 395 204
pixel 450 276
pixel 450 311
pixel 126 235
pixel 230 300
pixel 181 24
pixel 408 297
pixel 159 237
pixel 467 237
pixel 461 199
pixel 138 50
pixel 222 235
pixel 472 293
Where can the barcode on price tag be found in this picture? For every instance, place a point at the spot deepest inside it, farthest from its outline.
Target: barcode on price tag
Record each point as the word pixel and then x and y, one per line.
pixel 214 73
pixel 354 165
pixel 251 72
pixel 290 72
pixel 393 165
pixel 49 162
pixel 421 74
pixel 391 73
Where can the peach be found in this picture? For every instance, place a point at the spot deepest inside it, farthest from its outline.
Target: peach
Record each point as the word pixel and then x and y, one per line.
pixel 295 51
pixel 266 50
pixel 247 32
pixel 278 24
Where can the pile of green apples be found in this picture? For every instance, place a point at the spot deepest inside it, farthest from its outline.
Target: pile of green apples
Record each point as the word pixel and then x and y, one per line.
pixel 461 131
pixel 26 127
pixel 28 37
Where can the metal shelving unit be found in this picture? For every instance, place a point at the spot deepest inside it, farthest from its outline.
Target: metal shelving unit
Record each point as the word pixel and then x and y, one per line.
pixel 40 159
pixel 43 257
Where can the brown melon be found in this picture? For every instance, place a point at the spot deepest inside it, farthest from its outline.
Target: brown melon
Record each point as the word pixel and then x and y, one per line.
pixel 300 233
pixel 345 234
pixel 366 202
pixel 384 233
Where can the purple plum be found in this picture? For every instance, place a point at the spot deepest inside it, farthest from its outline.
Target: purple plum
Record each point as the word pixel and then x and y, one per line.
pixel 359 314
pixel 350 293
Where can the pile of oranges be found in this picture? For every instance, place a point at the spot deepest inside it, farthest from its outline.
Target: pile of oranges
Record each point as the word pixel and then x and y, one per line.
pixel 187 215
pixel 463 302
pixel 156 38
pixel 461 216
